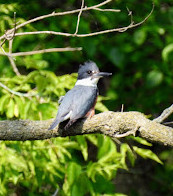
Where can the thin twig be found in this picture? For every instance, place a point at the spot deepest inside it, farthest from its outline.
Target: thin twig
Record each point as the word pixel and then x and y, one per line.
pixel 10 39
pixel 14 29
pixel 42 51
pixel 131 20
pixel 165 114
pixel 131 15
pixel 106 10
pixel 56 192
pixel 74 35
pixel 3 42
pixel 78 19
pixel 116 140
pixel 11 59
pixel 13 65
pixel 132 132
pixel 122 29
pixel 4 53
pixel 55 14
pixel 122 108
pixel 168 123
pixel 17 93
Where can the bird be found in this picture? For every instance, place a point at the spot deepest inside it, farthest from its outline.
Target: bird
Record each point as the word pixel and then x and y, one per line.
pixel 79 102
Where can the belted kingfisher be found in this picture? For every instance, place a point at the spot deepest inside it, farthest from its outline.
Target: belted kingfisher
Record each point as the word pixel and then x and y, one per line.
pixel 79 102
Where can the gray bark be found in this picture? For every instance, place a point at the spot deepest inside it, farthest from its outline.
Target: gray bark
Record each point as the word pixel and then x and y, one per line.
pixel 113 124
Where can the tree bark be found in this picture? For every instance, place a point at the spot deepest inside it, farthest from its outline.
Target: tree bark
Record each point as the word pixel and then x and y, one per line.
pixel 113 124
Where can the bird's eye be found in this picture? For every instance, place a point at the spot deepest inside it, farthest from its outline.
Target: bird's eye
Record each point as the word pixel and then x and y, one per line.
pixel 89 72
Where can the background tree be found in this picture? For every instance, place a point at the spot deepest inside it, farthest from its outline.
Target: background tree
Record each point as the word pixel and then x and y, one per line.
pixel 141 62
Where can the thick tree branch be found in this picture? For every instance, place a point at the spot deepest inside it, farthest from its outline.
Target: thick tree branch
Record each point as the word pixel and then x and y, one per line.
pixel 113 124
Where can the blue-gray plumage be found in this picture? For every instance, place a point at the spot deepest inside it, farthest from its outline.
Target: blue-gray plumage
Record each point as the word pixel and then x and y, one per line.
pixel 80 100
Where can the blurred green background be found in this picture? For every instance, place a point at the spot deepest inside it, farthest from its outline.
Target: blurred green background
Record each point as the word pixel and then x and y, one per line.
pixel 141 60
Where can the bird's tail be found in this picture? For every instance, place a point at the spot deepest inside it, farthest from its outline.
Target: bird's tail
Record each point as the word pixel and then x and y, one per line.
pixel 54 124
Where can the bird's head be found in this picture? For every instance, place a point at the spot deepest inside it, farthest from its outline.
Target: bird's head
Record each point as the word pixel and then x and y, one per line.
pixel 89 74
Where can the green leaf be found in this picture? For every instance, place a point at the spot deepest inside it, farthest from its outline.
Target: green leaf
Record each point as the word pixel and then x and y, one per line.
pixel 123 150
pixel 20 102
pixel 154 78
pixel 141 140
pixel 46 109
pixel 3 100
pixel 73 172
pixel 83 186
pixel 166 52
pixel 106 149
pixel 116 57
pixel 146 153
pixel 10 108
pixel 83 146
pixel 35 62
pixel 92 139
pixel 26 109
pixel 16 110
pixel 101 107
pixel 139 36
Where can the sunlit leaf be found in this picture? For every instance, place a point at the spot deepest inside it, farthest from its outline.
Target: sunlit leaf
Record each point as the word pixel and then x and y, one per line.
pixel 141 141
pixel 3 101
pixel 146 153
pixel 83 146
pixel 10 108
pixel 167 51
pixel 154 78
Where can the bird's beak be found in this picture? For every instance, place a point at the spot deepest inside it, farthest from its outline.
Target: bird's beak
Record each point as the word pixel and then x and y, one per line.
pixel 101 74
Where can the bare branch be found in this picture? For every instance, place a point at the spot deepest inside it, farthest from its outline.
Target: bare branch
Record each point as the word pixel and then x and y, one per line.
pixel 42 51
pixel 3 51
pixel 106 10
pixel 11 59
pixel 78 19
pixel 56 192
pixel 55 14
pixel 122 108
pixel 17 93
pixel 122 29
pixel 164 115
pixel 11 36
pixel 2 43
pixel 107 123
pixel 10 39
pixel 132 132
pixel 13 65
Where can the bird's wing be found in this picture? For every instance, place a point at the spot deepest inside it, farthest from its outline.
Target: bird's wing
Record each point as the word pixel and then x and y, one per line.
pixel 75 104
pixel 64 110
pixel 83 101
